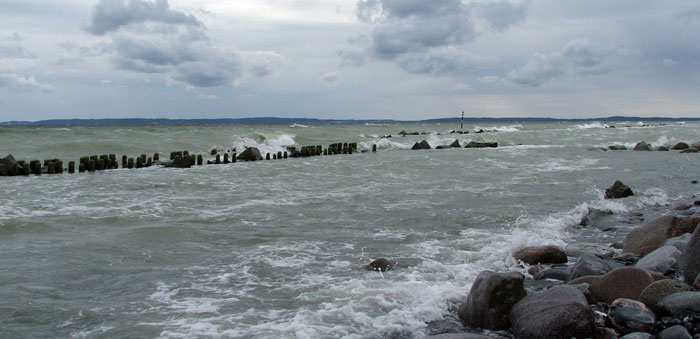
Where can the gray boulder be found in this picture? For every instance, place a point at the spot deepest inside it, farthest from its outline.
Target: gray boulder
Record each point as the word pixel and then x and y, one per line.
pixel 589 264
pixel 547 254
pixel 680 146
pixel 490 300
pixel 642 146
pixel 559 312
pixel 691 267
pixel 455 144
pixel 658 290
pixel 679 304
pixel 637 335
pixel 696 145
pixel 646 238
pixel 250 154
pixel 618 190
pixel 421 145
pixel 661 260
pixel 381 265
pixel 624 282
pixel 459 336
pixel 661 148
pixel 674 332
pixel 579 248
pixel 184 162
pixel 679 242
pixel 628 316
pixel 475 144
pixel 617 148
pixel 690 150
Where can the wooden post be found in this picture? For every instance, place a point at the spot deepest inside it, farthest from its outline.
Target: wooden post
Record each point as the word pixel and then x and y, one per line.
pixel 285 155
pixel 374 147
pixel 156 156
pixel 218 159
pixel 267 156
pixel 200 160
pixel 279 155
pixel 225 158
pixel 124 161
pixel 130 163
pixel 58 166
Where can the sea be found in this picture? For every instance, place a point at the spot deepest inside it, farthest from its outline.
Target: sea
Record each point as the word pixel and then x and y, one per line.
pixel 277 249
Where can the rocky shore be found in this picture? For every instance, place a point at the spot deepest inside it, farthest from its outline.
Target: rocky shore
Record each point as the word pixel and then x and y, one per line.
pixel 647 285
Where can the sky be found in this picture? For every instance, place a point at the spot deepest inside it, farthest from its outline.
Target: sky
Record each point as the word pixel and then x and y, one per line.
pixel 348 59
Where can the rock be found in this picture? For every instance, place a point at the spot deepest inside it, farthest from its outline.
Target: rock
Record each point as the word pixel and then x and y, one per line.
pixel 490 300
pixel 617 148
pixel 660 260
pixel 681 206
pixel 474 144
pixel 696 145
pixel 657 290
pixel 591 280
pixel 402 133
pixel 563 274
pixel 661 148
pixel 680 146
pixel 642 146
pixel 589 264
pixel 421 145
pixel 691 267
pixel 605 333
pixel 559 312
pixel 680 242
pixel 679 304
pixel 547 254
pixel 648 237
pixel 627 258
pixel 381 265
pixel 690 150
pixel 696 283
pixel 637 335
pixel 624 282
pixel 459 336
pixel 578 249
pixel 250 154
pixel 586 290
pixel 674 332
pixel 628 316
pixel 618 190
pixel 456 144
pixel 184 162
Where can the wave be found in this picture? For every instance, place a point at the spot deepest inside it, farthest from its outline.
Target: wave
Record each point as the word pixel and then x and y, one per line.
pixel 511 128
pixel 270 142
pixel 295 125
pixel 596 124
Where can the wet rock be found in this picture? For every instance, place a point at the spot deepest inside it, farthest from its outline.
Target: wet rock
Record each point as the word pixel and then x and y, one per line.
pixel 459 336
pixel 403 133
pixel 679 304
pixel 559 312
pixel 456 144
pixel 661 148
pixel 490 300
pixel 250 154
pixel 547 254
pixel 474 144
pixel 690 150
pixel 637 335
pixel 680 242
pixel 628 316
pixel 661 260
pixel 642 146
pixel 562 274
pixel 674 332
pixel 184 162
pixel 591 280
pixel 680 146
pixel 589 264
pixel 617 148
pixel 658 290
pixel 691 267
pixel 618 190
pixel 648 237
pixel 421 145
pixel 696 145
pixel 381 265
pixel 605 333
pixel 624 282
pixel 681 206
pixel 578 249
pixel 696 282
pixel 586 290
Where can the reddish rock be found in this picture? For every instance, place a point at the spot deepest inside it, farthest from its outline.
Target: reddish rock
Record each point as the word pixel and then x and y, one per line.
pixel 624 282
pixel 646 238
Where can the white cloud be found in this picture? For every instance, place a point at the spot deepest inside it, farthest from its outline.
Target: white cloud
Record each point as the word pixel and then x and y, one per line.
pixel 20 83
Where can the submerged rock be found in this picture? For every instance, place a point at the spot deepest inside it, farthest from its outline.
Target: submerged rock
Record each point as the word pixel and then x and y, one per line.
pixel 618 190
pixel 617 148
pixel 547 254
pixel 250 154
pixel 559 312
pixel 642 146
pixel 381 265
pixel 474 144
pixel 490 300
pixel 421 145
pixel 661 148
pixel 680 146
pixel 648 237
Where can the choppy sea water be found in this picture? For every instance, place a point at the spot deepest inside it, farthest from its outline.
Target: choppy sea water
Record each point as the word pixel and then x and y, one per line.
pixel 275 249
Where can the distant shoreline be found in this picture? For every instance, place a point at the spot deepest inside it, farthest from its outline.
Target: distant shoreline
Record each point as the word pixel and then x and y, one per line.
pixel 275 120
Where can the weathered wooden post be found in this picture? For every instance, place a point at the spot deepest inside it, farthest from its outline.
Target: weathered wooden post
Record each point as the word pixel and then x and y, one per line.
pixel 124 161
pixel 279 155
pixel 213 151
pixel 91 165
pixel 100 164
pixel 139 162
pixel 81 167
pixel 71 167
pixel 274 156
pixel 267 156
pixel 58 166
pixel 200 160
pixel 35 165
pixel 149 162
pixel 52 169
pixel 130 163
pixel 193 159
pixel 234 157
pixel 225 158
pixel 218 159
pixel 374 147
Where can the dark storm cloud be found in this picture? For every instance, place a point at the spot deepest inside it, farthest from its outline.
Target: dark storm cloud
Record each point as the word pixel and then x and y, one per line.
pixel 578 57
pixel 149 37
pixel 110 15
pixel 428 36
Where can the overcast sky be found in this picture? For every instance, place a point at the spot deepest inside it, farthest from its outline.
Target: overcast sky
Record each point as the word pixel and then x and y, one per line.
pixel 348 59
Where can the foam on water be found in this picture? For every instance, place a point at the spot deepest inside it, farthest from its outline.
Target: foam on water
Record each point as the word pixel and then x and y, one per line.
pixel 265 142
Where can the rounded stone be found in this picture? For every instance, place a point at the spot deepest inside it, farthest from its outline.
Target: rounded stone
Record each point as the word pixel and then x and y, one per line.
pixel 657 290
pixel 547 254
pixel 624 282
pixel 628 316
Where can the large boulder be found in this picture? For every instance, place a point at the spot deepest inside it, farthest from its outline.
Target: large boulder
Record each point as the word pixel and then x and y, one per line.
pixel 680 146
pixel 696 145
pixel 475 144
pixel 250 154
pixel 661 148
pixel 547 254
pixel 679 304
pixel 421 145
pixel 624 282
pixel 628 316
pixel 642 146
pixel 179 162
pixel 7 165
pixel 490 299
pixel 381 265
pixel 691 267
pixel 617 147
pixel 579 248
pixel 638 335
pixel 658 290
pixel 455 144
pixel 661 260
pixel 646 238
pixel 618 190
pixel 589 264
pixel 559 312
pixel 674 332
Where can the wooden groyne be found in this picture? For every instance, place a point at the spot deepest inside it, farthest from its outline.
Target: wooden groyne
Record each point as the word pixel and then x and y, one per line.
pixel 178 159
